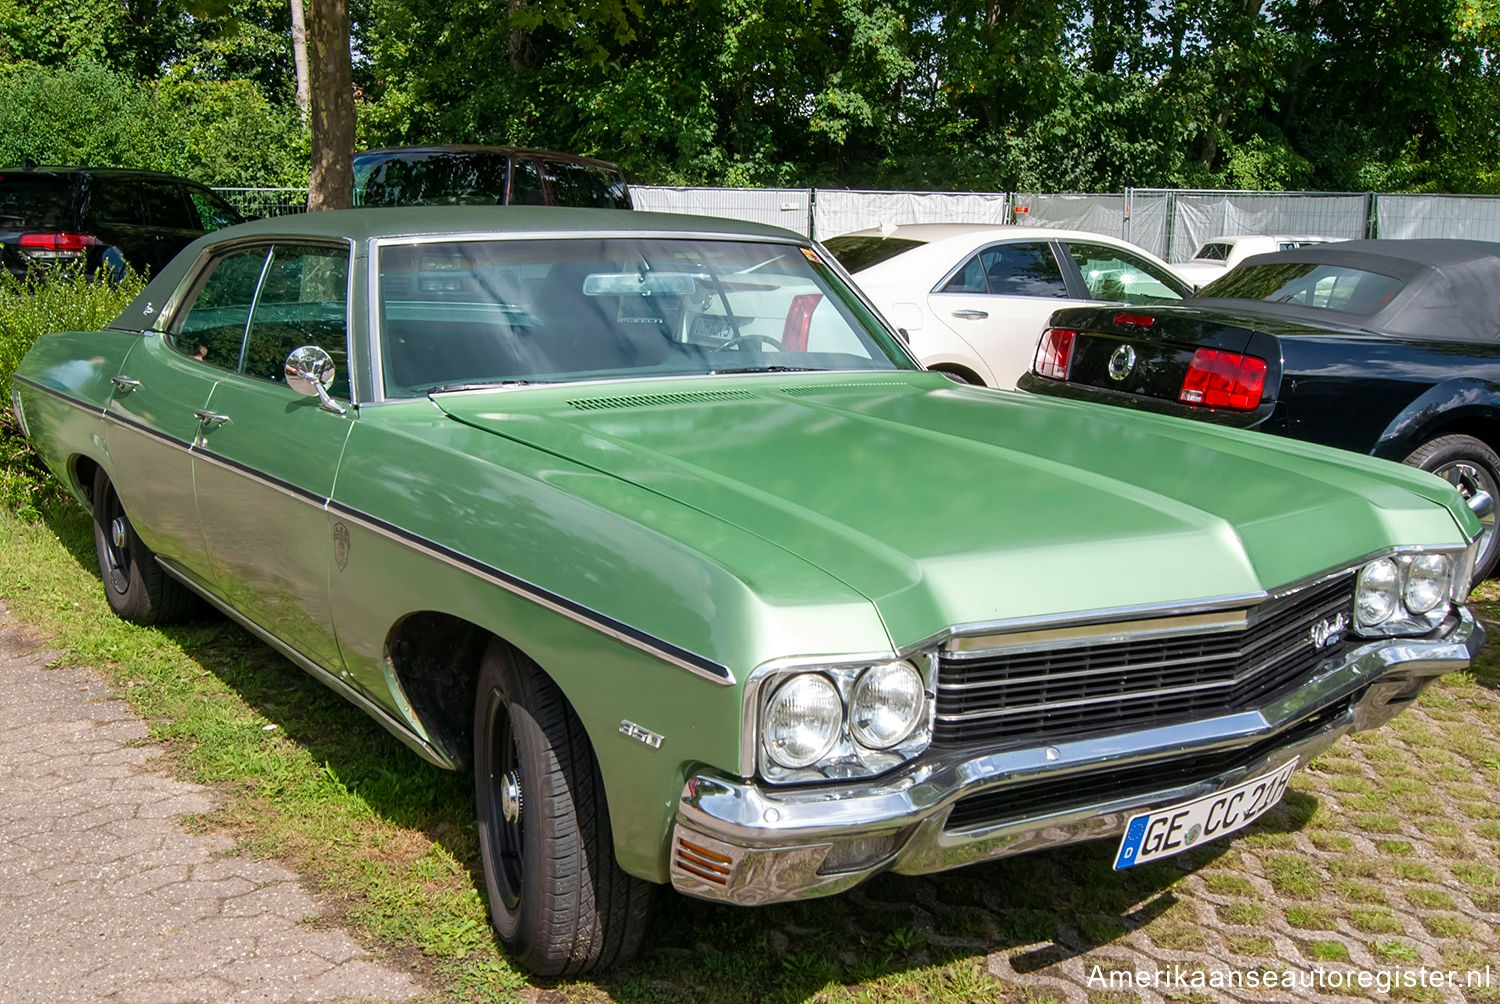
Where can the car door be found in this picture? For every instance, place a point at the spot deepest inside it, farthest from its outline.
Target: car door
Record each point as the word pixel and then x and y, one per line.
pixel 154 418
pixel 174 220
pixel 998 300
pixel 267 456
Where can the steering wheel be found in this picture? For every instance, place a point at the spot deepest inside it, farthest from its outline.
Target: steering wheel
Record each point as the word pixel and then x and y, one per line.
pixel 739 340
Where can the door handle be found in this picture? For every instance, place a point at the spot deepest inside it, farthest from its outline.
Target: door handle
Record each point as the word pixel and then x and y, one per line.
pixel 971 315
pixel 207 417
pixel 124 384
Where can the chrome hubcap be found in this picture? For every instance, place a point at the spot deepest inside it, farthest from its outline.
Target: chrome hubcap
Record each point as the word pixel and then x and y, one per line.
pixel 117 531
pixel 1470 479
pixel 510 796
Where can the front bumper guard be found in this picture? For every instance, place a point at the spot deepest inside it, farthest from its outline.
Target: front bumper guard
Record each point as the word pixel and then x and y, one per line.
pixel 739 842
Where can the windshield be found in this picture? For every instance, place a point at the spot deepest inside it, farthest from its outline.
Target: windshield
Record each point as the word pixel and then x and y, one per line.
pixel 1328 287
pixel 861 252
pixel 493 312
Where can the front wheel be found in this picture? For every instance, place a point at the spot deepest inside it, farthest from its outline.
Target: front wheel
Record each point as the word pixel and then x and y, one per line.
pixel 1472 467
pixel 558 900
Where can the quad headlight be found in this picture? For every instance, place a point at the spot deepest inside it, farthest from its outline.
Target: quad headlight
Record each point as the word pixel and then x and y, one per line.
pixel 1406 594
pixel 843 721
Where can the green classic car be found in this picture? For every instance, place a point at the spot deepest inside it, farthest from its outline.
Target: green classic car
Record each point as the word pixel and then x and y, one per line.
pixel 653 524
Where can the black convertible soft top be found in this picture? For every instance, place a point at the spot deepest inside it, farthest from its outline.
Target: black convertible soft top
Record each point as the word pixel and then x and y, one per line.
pixel 1451 288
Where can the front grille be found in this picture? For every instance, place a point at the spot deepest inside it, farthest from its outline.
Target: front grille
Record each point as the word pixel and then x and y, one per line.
pixel 1019 698
pixel 1059 794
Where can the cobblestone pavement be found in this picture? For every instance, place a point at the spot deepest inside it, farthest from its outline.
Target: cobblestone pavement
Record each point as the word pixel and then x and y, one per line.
pixel 103 895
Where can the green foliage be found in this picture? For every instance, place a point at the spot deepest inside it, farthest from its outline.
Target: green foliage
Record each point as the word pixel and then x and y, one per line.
pixel 217 132
pixel 29 310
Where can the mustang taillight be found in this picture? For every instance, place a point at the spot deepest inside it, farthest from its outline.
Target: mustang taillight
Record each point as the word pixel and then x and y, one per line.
pixel 1054 353
pixel 1219 379
pixel 56 245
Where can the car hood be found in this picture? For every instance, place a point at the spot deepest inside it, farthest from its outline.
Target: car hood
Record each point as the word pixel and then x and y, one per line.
pixel 950 505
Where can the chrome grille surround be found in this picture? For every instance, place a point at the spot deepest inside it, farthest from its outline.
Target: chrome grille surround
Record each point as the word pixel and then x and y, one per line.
pixel 1065 683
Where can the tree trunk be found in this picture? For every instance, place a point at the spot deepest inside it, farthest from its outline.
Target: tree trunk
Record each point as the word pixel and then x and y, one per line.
pixel 299 56
pixel 332 106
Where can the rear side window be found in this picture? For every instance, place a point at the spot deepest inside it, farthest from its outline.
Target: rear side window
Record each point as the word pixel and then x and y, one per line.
pixel 213 212
pixel 584 185
pixel 167 206
pixel 211 328
pixel 1327 287
pixel 1212 252
pixel 1120 277
pixel 861 252
pixel 35 201
pixel 114 200
pixel 1028 269
pixel 526 184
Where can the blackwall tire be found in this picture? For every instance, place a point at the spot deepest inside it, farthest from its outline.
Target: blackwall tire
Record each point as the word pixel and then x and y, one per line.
pixel 1470 466
pixel 137 588
pixel 557 898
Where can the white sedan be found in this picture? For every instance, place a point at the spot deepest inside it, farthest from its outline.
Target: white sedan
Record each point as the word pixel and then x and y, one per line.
pixel 1218 255
pixel 973 298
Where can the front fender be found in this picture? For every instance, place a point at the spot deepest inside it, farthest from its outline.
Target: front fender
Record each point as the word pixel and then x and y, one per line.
pixel 1441 405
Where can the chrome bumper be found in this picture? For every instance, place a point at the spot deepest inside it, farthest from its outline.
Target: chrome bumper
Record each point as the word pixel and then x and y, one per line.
pixel 739 842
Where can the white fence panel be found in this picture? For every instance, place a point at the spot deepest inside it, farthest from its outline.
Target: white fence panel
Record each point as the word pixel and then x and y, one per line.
pixel 1148 219
pixel 1095 214
pixel 1201 216
pixel 780 207
pixel 838 211
pixel 1471 217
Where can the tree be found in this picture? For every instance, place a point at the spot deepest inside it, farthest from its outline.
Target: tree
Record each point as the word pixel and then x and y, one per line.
pixel 331 82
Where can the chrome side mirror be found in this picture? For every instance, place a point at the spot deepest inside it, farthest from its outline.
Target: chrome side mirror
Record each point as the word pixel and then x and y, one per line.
pixel 309 371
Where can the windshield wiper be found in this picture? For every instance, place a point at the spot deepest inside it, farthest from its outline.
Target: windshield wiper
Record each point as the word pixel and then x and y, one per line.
pixel 479 385
pixel 768 369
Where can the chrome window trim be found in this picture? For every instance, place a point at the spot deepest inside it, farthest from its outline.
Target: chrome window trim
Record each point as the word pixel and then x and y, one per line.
pixel 167 316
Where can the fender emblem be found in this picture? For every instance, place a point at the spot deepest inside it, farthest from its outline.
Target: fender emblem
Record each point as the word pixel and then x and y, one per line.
pixel 1329 631
pixel 641 735
pixel 341 545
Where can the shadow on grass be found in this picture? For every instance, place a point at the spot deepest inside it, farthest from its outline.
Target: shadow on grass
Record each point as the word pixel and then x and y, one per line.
pixel 395 783
pixel 1040 909
pixel 1485 603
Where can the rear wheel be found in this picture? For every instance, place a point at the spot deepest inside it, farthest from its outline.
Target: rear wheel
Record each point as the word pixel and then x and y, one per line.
pixel 1472 467
pixel 557 898
pixel 135 585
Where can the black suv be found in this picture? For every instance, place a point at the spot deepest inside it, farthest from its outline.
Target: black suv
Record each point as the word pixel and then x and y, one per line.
pixel 485 176
pixel 101 219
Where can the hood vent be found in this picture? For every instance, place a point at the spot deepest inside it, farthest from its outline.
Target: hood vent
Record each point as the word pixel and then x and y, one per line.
pixel 651 400
pixel 849 385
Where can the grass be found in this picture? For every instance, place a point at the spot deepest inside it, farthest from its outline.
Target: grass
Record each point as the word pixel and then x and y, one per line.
pixel 1385 848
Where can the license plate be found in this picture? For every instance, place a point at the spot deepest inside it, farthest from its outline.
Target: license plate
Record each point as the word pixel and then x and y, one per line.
pixel 1169 831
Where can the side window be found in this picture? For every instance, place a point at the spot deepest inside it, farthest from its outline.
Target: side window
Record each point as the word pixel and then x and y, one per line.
pixel 969 279
pixel 213 212
pixel 582 185
pixel 526 184
pixel 113 201
pixel 303 301
pixel 1023 270
pixel 211 326
pixel 1121 277
pixel 166 206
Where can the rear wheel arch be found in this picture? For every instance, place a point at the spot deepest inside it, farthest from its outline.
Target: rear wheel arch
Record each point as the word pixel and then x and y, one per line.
pixel 963 373
pixel 82 470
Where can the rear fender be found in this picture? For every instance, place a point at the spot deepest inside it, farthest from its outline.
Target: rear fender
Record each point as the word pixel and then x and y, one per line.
pixel 1461 401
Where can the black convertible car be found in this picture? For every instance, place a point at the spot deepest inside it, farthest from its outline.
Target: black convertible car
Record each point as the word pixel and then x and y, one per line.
pixel 1387 347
